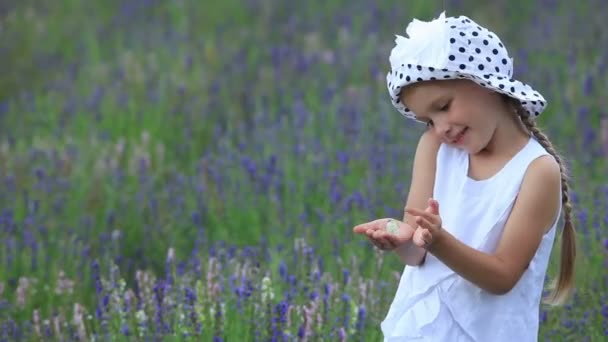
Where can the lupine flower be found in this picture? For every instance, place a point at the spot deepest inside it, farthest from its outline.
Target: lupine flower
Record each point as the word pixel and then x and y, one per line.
pixel 78 321
pixel 36 319
pixel 361 315
pixel 57 323
pixel 142 320
pixel 24 284
pixel 342 334
pixel 64 285
pixel 604 135
pixel 266 290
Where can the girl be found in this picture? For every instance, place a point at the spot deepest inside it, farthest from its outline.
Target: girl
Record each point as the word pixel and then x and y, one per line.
pixel 486 194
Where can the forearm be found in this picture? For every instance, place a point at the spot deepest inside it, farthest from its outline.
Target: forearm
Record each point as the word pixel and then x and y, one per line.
pixel 484 270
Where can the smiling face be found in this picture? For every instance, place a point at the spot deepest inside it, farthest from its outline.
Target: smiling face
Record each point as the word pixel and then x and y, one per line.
pixel 462 113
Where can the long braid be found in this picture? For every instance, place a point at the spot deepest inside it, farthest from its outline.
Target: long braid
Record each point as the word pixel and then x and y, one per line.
pixel 565 281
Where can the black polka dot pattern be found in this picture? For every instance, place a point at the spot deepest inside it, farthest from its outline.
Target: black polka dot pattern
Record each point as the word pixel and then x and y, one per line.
pixel 476 54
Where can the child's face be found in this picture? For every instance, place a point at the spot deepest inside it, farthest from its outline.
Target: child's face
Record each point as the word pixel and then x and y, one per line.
pixel 460 112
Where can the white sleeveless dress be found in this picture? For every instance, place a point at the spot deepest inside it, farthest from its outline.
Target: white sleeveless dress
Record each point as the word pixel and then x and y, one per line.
pixel 432 302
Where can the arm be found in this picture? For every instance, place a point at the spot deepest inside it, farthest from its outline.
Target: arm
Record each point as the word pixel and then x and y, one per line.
pixel 533 213
pixel 421 189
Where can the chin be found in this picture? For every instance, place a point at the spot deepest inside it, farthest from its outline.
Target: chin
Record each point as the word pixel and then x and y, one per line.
pixel 472 148
pixel 465 148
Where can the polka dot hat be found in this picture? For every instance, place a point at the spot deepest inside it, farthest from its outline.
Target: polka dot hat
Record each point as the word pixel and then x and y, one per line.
pixel 455 48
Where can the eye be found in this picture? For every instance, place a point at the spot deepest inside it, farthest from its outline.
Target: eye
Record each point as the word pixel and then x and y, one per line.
pixel 429 123
pixel 446 106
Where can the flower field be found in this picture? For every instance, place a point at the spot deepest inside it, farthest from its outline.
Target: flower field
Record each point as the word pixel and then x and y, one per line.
pixel 192 170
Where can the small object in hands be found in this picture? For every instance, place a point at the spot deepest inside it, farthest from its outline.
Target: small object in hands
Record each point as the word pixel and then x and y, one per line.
pixel 392 226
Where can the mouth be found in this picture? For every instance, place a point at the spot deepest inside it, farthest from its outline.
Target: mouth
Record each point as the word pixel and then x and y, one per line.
pixel 460 136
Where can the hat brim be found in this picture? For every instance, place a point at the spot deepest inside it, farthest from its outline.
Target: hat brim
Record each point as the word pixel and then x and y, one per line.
pixel 531 100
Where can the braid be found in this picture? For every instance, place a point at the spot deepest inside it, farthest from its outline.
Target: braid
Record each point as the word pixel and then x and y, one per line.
pixel 565 280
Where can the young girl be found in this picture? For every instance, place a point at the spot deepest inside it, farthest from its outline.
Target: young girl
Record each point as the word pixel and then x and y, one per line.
pixel 486 194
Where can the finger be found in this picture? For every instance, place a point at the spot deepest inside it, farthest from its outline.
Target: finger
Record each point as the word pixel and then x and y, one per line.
pixel 383 238
pixel 424 238
pixel 434 206
pixel 370 233
pixel 378 235
pixel 383 246
pixel 376 243
pixel 424 223
pixel 429 207
pixel 418 238
pixel 372 240
pixel 427 237
pixel 422 213
pixel 362 228
pixel 416 212
pixel 372 225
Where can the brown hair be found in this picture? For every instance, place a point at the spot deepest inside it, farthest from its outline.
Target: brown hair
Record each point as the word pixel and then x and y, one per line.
pixel 565 281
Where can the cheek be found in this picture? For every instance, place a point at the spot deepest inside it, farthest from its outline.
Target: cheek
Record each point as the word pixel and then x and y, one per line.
pixel 482 133
pixel 464 115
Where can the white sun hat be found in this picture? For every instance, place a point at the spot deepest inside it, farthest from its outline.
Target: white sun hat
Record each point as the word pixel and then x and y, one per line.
pixel 455 48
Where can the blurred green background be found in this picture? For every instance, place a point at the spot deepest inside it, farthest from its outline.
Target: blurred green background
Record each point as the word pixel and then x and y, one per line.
pixel 224 145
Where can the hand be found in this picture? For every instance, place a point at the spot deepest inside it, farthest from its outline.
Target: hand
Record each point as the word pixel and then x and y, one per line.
pixel 376 231
pixel 429 224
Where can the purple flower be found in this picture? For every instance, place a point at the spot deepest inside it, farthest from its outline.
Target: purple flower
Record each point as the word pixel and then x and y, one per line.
pixel 343 158
pixel 189 295
pixel 346 301
pixel 301 331
pixel 342 334
pixel 605 310
pixel 327 289
pixel 588 85
pixel 283 270
pixel 159 292
pixel 4 107
pixel 335 189
pixel 543 316
pixel 346 276
pixel 40 174
pixel 281 312
pixel 361 314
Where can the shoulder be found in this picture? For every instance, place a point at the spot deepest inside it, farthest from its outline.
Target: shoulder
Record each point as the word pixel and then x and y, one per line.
pixel 543 173
pixel 544 165
pixel 425 159
pixel 541 188
pixel 428 145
